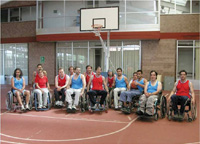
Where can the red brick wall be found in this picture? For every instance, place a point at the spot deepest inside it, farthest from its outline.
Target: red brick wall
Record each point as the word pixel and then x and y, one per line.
pixel 159 55
pixel 18 3
pixel 48 50
pixel 18 29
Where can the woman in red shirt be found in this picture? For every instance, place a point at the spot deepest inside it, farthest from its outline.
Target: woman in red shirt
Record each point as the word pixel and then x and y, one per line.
pixel 42 89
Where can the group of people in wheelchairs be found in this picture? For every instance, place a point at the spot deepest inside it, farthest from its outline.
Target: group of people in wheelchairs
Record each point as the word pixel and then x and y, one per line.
pixel 94 92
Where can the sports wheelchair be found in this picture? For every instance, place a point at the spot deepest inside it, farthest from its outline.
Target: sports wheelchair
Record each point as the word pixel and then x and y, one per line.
pixel 191 108
pixel 12 103
pixel 49 104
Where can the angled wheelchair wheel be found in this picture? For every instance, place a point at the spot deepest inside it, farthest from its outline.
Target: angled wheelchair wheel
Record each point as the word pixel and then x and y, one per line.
pixel 163 106
pixel 49 101
pixel 9 101
pixel 156 116
pixel 194 110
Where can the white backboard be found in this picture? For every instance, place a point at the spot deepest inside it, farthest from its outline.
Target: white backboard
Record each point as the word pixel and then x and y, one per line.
pixel 107 16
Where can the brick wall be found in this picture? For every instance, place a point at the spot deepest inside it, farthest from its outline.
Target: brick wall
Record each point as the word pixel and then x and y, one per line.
pixel 48 50
pixel 159 55
pixel 179 23
pixel 18 29
pixel 18 3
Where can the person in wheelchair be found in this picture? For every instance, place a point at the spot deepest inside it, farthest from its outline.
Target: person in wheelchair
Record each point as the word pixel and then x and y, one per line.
pixel 137 88
pixel 151 91
pixel 35 74
pixel 77 83
pixel 88 74
pixel 18 88
pixel 42 89
pixel 121 84
pixel 97 82
pixel 61 82
pixel 109 83
pixel 71 71
pixel 182 91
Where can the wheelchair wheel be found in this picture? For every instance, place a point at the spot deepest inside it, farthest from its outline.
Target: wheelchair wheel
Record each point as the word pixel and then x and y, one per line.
pixel 9 101
pixel 169 115
pixel 49 101
pixel 156 116
pixel 194 110
pixel 163 106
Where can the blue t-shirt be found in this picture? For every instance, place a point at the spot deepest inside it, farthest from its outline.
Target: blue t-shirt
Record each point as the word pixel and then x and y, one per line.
pixel 77 84
pixel 120 83
pixel 142 83
pixel 151 89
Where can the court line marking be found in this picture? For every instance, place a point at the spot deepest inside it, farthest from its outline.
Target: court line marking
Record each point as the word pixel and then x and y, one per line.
pixel 11 142
pixel 77 139
pixel 193 143
pixel 66 118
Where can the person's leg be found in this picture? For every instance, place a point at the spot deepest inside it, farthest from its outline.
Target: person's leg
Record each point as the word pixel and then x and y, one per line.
pixel 18 96
pixel 183 100
pixel 116 90
pixel 150 104
pixel 39 96
pixel 142 102
pixel 174 99
pixel 63 94
pixel 103 94
pixel 56 93
pixel 123 96
pixel 91 94
pixel 77 96
pixel 27 94
pixel 68 94
pixel 45 96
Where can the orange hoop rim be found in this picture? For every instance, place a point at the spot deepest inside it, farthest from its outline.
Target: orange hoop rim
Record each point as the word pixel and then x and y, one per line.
pixel 97 26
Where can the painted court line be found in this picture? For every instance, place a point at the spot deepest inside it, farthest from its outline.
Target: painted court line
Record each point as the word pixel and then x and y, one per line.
pixel 66 118
pixel 193 143
pixel 78 139
pixel 11 142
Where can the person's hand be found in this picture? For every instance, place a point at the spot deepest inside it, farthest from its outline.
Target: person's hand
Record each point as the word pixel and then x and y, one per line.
pixel 147 94
pixel 21 90
pixel 193 101
pixel 42 91
pixel 68 87
pixel 136 83
pixel 81 94
pixel 58 89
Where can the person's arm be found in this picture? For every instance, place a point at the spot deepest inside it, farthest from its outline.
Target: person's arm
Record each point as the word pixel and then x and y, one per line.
pixel 37 85
pixel 107 81
pixel 158 89
pixel 70 82
pixel 126 81
pixel 113 84
pixel 192 92
pixel 145 89
pixel 84 84
pixel 33 80
pixel 56 82
pixel 89 83
pixel 66 83
pixel 141 85
pixel 104 82
pixel 173 91
pixel 130 83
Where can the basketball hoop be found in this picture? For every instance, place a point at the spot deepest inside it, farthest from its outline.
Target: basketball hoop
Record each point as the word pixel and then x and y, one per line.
pixel 97 29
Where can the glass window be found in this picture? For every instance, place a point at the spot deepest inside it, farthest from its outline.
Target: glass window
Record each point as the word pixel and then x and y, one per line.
pixel 14 14
pixel 195 7
pixel 182 6
pixel 197 60
pixel 25 13
pixel 167 7
pixel 33 13
pixel 4 15
pixel 141 6
pixel 80 58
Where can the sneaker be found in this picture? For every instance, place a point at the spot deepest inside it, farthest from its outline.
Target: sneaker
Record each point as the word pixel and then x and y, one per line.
pixel 100 107
pixel 44 107
pixel 123 109
pixel 39 107
pixel 94 107
pixel 128 111
pixel 176 116
pixel 69 110
pixel 27 107
pixel 60 103
pixel 139 112
pixel 181 117
pixel 22 108
pixel 149 115
pixel 57 103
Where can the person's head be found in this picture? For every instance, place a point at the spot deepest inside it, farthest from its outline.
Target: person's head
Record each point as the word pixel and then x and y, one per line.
pixel 45 73
pixel 110 73
pixel 153 75
pixel 77 70
pixel 61 72
pixel 39 66
pixel 18 73
pixel 40 73
pixel 139 73
pixel 88 68
pixel 183 74
pixel 71 69
pixel 98 70
pixel 119 71
pixel 135 76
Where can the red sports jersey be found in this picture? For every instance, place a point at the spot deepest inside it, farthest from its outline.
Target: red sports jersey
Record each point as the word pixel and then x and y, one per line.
pixel 97 83
pixel 110 82
pixel 62 82
pixel 42 82
pixel 183 89
pixel 88 78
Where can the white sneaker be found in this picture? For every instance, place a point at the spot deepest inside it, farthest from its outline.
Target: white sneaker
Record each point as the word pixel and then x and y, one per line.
pixel 74 107
pixel 22 108
pixel 60 103
pixel 39 107
pixel 27 107
pixel 57 103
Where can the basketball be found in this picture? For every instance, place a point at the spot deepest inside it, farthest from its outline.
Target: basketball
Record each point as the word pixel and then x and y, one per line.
pixel 133 86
